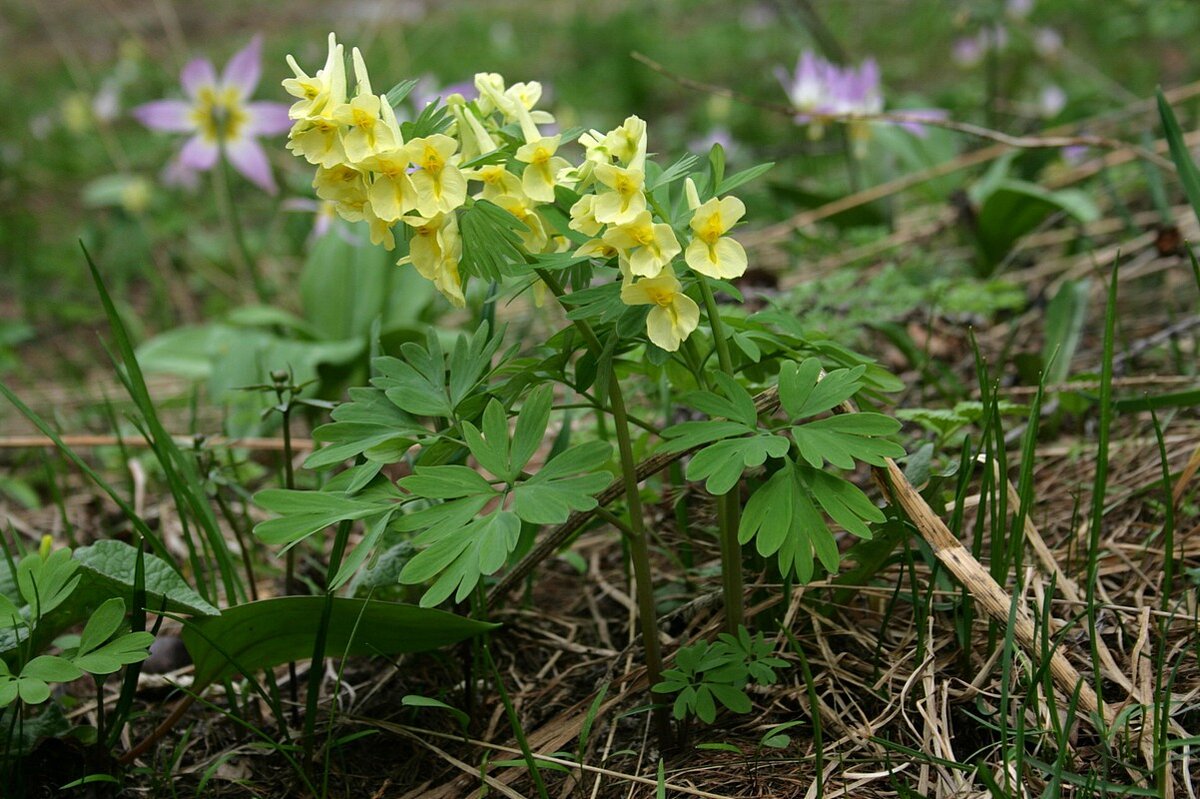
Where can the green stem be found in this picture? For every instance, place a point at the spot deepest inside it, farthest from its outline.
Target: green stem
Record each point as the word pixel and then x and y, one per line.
pixel 639 547
pixel 289 575
pixel 233 223
pixel 729 504
pixel 317 668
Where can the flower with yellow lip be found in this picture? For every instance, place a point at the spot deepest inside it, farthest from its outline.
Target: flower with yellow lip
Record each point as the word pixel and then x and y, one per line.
pixel 534 237
pixel 341 183
pixel 711 252
pixel 326 89
pixel 674 315
pixel 543 165
pixel 434 251
pixel 440 184
pixel 346 188
pixel 628 142
pixel 598 248
pixel 625 199
pixel 318 141
pixel 583 216
pixel 496 180
pixel 392 192
pixel 648 246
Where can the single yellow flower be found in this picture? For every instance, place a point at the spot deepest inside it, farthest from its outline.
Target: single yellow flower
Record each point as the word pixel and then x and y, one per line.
pixel 674 315
pixel 322 91
pixel 440 184
pixel 538 178
pixel 628 142
pixel 341 183
pixel 710 251
pixel 598 248
pixel 497 181
pixel 648 246
pixel 318 141
pixel 583 216
pixel 625 199
pixel 534 237
pixel 434 250
pixel 392 192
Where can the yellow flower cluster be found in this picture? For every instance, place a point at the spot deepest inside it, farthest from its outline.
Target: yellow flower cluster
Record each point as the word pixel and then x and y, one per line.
pixel 619 219
pixel 366 169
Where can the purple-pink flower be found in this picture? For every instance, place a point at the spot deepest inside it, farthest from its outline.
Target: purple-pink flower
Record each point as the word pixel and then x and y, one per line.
pixel 220 116
pixel 819 89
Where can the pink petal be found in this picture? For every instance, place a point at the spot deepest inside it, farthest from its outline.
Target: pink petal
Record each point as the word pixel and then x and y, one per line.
pixel 197 74
pixel 198 154
pixel 267 118
pixel 244 69
pixel 172 116
pixel 246 156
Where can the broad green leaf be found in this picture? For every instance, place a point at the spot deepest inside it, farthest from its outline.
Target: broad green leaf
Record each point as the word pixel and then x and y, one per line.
pixel 721 464
pixel 767 517
pixel 269 632
pixel 375 529
pixel 461 556
pixel 531 428
pixel 51 668
pixel 470 362
pixel 804 393
pixel 304 513
pixel 129 648
pixel 842 500
pixel 446 482
pixel 490 447
pixel 109 565
pixel 688 435
pixel 45 583
pixel 103 623
pixel 841 440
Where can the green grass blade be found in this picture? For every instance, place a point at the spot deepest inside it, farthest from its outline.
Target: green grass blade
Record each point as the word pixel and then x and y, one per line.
pixel 1188 174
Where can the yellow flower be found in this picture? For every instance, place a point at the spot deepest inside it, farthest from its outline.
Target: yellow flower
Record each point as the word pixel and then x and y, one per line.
pixel 710 251
pixel 324 90
pixel 496 180
pixel 392 193
pixel 625 200
pixel 440 185
pixel 534 237
pixel 341 184
pixel 318 140
pixel 674 315
pixel 648 246
pixel 538 178
pixel 597 248
pixel 583 216
pixel 434 251
pixel 628 142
